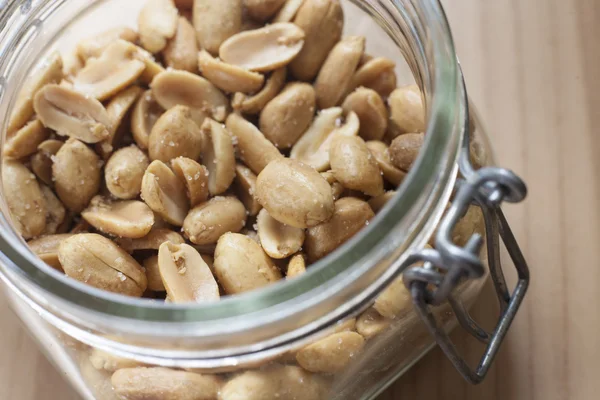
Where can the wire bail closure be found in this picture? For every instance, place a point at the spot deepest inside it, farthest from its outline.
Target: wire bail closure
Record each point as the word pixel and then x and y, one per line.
pixel 446 266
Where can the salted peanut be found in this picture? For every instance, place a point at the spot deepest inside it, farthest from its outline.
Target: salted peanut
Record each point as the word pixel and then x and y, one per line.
pixel 46 248
pixel 377 74
pixel 49 72
pixel 41 162
pixel 264 49
pixel 181 51
pixel 245 187
pixel 195 178
pixel 313 147
pixel 405 149
pixel 285 118
pixel 370 323
pixel 228 77
pixel 262 10
pixel 407 114
pixel 98 381
pixel 151 241
pixel 471 223
pixel 296 266
pixel 124 171
pixel 336 187
pixel 171 88
pixel 354 166
pixel 164 193
pixel 288 11
pixel 371 111
pixel 349 217
pixel 72 114
pixel 185 275
pixel 255 150
pixel 117 109
pixel 99 262
pixel 165 384
pixel 72 64
pixel 390 172
pixel 337 71
pixel 332 354
pixel 255 103
pixel 157 22
pixel 378 202
pixel 283 382
pixel 294 193
pixel 216 21
pixel 76 174
pixel 26 140
pixel 104 361
pixel 175 134
pixel 322 21
pixel 95 45
pixel 277 239
pixel 145 114
pixel 395 300
pixel 155 282
pixel 218 156
pixel 122 218
pixel 241 264
pixel 206 222
pixel 55 211
pixel 110 73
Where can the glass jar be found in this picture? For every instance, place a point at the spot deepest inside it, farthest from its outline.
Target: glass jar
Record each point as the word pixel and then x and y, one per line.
pixel 250 344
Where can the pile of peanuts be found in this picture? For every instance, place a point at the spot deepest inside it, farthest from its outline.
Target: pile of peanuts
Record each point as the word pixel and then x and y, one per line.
pixel 223 146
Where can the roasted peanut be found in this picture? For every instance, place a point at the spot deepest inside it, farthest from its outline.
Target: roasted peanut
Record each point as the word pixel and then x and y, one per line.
pixel 350 216
pixel 216 21
pixel 98 381
pixel 117 109
pixel 471 223
pixel 285 118
pixel 228 77
pixel 296 266
pixel 99 262
pixel 187 278
pixel 95 45
pixel 26 140
pixel 157 22
pixel 370 323
pixel 262 10
pixel 218 157
pixel 72 114
pixel 255 103
pixel 46 248
pixel 76 174
pixel 241 264
pixel 255 150
pixel 181 51
pixel 371 112
pixel 331 354
pixel 405 149
pixel 122 218
pixel 377 74
pixel 288 11
pixel 407 114
pixel 395 300
pixel 245 187
pixel 155 282
pixel 378 202
pixel 336 187
pixel 102 360
pixel 55 211
pixel 145 114
pixel 41 162
pixel 322 22
pixel 124 171
pixel 264 49
pixel 206 222
pixel 354 166
pixel 151 241
pixel 390 172
pixel 277 239
pixel 195 178
pixel 165 193
pixel 72 64
pixel 294 193
pixel 175 134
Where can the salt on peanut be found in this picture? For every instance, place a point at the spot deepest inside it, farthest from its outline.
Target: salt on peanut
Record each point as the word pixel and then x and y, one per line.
pixel 245 187
pixel 241 264
pixel 228 77
pixel 151 241
pixel 371 111
pixel 350 216
pixel 124 171
pixel 277 239
pixel 95 45
pixel 216 21
pixel 370 323
pixel 55 211
pixel 195 178
pixel 390 172
pixel 157 22
pixel 41 162
pixel 122 218
pixel 288 11
pixel 337 71
pixel 285 118
pixel 253 104
pixel 175 134
pixel 117 109
pixel 99 262
pixel 331 354
pixel 145 114
pixel 322 22
pixel 46 248
pixel 181 50
pixel 262 10
pixel 407 113
pixel 294 193
pixel 71 113
pixel 255 150
pixel 296 266
pixel 187 278
pixel 155 282
pixel 404 150
pixel 218 156
pixel 104 361
pixel 167 384
pixel 354 166
pixel 378 202
pixel 164 193
pixel 394 301
pixel 26 140
pixel 377 74
pixel 76 174
pixel 206 222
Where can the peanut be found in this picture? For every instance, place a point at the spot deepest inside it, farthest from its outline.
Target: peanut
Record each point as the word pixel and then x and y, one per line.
pixel 332 354
pixel 46 248
pixel 145 114
pixel 122 218
pixel 218 157
pixel 175 134
pixel 371 112
pixel 181 51
pixel 157 23
pixel 195 178
pixel 208 221
pixel 381 153
pixel 405 149
pixel 277 239
pixel 164 193
pixel 216 21
pixel 255 103
pixel 407 114
pixel 228 77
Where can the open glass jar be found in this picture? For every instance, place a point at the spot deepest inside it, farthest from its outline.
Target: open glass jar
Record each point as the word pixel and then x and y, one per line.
pixel 250 346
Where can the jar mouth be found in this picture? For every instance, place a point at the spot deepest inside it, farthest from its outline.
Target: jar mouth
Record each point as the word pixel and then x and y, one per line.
pixel 340 283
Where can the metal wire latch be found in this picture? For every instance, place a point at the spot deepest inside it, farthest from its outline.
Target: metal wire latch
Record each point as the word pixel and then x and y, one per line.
pixel 448 265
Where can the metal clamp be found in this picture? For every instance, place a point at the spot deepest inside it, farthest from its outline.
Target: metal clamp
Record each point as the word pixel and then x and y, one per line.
pixel 448 265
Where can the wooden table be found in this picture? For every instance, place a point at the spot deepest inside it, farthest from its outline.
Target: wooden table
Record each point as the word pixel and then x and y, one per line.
pixel 532 67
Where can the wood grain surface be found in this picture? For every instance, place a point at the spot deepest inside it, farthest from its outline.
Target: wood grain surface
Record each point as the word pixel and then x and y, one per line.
pixel 532 69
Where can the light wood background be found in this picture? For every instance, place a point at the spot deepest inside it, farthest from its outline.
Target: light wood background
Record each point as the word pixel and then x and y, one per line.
pixel 533 68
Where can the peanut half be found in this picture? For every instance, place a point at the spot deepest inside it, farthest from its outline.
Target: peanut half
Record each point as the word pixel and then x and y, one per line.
pixel 405 149
pixel 254 104
pixel 145 114
pixel 407 114
pixel 296 266
pixel 377 74
pixel 165 193
pixel 95 45
pixel 245 187
pixel 41 162
pixel 288 11
pixel 181 51
pixel 122 218
pixel 371 111
pixel 218 157
pixel 195 178
pixel 390 172
pixel 175 134
pixel 46 248
pixel 332 354
pixel 277 239
pixel 228 77
pixel 395 300
pixel 151 241
pixel 216 21
pixel 262 10
pixel 26 140
pixel 55 211
pixel 155 282
pixel 206 222
pixel 157 22
pixel 124 171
